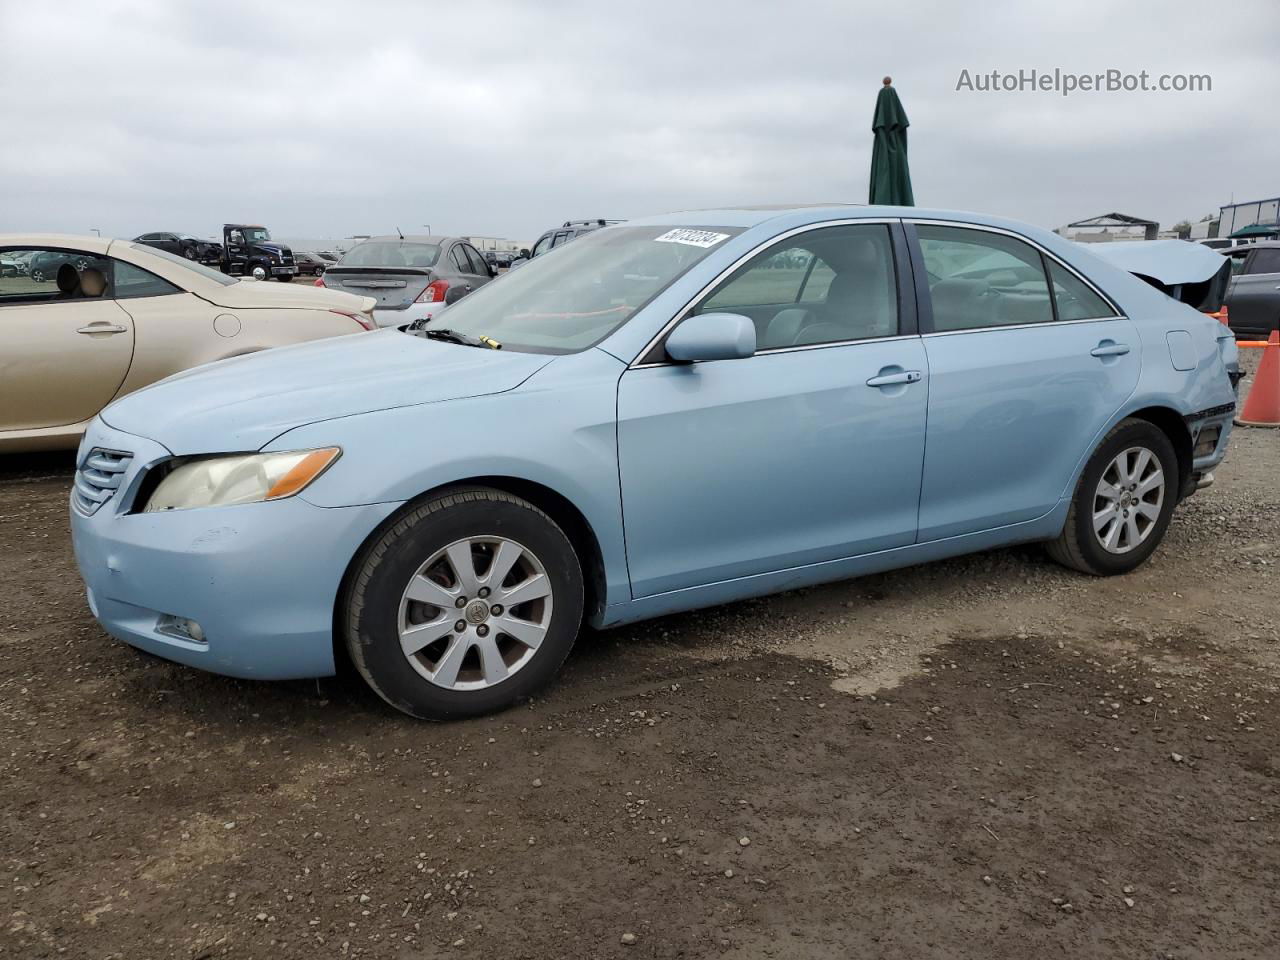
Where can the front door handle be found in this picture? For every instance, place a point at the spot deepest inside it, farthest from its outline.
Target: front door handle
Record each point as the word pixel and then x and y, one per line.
pixel 892 379
pixel 1109 349
pixel 103 328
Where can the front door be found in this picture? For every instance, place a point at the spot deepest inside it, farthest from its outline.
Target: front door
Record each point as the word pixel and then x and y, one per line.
pixel 808 451
pixel 1027 364
pixel 1253 302
pixel 63 353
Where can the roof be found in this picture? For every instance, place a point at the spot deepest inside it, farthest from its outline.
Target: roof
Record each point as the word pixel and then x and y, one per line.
pixel 1258 230
pixel 410 238
pixel 1113 220
pixel 1247 203
pixel 1240 249
pixel 70 241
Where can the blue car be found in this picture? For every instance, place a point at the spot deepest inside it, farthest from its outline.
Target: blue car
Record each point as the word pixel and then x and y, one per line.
pixel 663 415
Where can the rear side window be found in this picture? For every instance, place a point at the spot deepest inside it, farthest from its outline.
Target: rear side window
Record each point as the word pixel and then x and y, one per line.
pixel 1266 260
pixel 981 279
pixel 132 282
pixel 562 237
pixel 1075 300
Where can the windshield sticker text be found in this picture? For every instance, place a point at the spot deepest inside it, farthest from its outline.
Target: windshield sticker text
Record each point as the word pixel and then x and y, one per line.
pixel 694 238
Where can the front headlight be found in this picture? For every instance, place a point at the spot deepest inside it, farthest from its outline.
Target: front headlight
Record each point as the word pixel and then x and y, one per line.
pixel 243 478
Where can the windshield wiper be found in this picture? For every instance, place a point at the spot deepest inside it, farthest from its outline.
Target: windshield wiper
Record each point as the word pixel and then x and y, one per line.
pixel 466 339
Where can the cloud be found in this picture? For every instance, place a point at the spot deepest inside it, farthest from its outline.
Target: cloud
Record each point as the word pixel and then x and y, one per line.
pixel 329 118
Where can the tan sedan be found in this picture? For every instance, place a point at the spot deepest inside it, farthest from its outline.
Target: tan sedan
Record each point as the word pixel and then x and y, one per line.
pixel 84 320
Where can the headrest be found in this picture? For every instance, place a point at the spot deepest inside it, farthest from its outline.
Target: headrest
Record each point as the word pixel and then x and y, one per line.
pixel 92 283
pixel 68 279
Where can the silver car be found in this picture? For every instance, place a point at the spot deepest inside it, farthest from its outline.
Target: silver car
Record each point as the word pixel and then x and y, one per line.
pixel 412 278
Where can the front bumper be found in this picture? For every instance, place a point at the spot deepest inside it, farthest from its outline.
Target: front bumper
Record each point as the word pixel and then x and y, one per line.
pixel 261 579
pixel 279 271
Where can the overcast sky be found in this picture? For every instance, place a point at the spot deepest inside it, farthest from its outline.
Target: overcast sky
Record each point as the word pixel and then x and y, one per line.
pixel 323 119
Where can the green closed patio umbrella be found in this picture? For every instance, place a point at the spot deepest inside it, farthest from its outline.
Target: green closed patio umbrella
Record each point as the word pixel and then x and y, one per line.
pixel 890 175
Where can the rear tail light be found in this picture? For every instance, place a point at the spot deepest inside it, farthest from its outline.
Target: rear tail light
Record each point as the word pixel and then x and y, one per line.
pixel 434 292
pixel 365 322
pixel 319 281
pixel 1221 315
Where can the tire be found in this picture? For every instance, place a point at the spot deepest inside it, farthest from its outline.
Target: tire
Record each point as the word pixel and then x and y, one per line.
pixel 480 669
pixel 318 272
pixel 189 253
pixel 1133 524
pixel 37 275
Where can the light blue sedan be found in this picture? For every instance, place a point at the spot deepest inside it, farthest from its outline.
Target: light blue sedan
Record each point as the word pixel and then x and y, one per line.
pixel 666 414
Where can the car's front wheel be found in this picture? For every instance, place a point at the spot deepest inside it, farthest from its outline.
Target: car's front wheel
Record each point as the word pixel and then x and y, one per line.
pixel 467 604
pixel 1123 502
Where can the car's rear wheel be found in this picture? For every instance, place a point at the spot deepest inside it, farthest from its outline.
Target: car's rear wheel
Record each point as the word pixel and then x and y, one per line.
pixel 467 604
pixel 318 271
pixel 1123 502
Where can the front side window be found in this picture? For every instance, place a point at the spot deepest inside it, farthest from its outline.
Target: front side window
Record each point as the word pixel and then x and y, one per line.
pixel 32 275
pixel 830 285
pixel 477 262
pixel 1265 260
pixel 257 235
pixel 459 258
pixel 542 246
pixel 571 301
pixel 982 279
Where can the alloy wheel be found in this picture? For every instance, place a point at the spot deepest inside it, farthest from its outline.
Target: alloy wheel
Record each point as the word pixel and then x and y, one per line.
pixel 475 613
pixel 1128 500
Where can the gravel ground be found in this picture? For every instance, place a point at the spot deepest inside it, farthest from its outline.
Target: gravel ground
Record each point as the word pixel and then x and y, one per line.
pixel 984 757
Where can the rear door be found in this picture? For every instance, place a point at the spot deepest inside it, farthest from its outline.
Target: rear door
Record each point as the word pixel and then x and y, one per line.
pixel 63 356
pixel 1253 303
pixel 1022 380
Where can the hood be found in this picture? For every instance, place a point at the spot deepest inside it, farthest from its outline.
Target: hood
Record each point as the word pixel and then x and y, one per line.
pixel 263 294
pixel 245 402
pixel 1168 262
pixel 272 247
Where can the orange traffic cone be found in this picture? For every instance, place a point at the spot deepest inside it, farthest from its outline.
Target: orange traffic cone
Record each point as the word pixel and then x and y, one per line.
pixel 1262 405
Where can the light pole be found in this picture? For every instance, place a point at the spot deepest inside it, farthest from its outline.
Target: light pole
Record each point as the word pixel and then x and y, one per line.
pixel 96 231
pixel 428 226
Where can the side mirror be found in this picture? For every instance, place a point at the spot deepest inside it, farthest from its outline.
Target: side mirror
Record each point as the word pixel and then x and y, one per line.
pixel 524 252
pixel 454 294
pixel 712 336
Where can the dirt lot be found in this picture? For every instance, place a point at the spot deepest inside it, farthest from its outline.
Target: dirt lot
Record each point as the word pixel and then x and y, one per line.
pixel 990 757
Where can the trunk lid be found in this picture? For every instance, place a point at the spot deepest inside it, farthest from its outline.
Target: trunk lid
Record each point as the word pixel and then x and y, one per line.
pixel 394 288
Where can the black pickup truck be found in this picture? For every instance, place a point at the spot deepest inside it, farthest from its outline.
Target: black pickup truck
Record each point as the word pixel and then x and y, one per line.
pixel 249 251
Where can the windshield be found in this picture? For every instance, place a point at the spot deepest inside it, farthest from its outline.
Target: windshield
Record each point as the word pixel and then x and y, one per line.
pixel 209 273
pixel 256 234
pixel 391 253
pixel 575 296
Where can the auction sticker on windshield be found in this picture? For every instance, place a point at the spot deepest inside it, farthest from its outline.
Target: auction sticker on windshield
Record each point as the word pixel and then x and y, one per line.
pixel 694 238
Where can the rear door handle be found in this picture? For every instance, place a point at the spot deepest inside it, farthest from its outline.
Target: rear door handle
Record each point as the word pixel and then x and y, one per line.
pixel 1109 350
pixel 891 379
pixel 103 328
